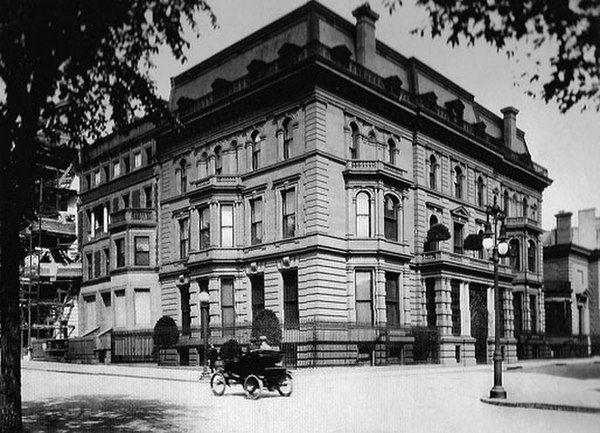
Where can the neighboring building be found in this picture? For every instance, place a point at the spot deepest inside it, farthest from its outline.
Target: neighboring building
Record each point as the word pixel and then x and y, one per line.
pixel 313 161
pixel 51 270
pixel 572 280
pixel 118 233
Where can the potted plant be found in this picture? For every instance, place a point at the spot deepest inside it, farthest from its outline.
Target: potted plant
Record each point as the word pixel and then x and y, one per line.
pixel 473 242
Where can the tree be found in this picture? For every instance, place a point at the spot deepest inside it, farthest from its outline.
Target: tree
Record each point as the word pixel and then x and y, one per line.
pixel 166 334
pixel 572 28
pixel 265 323
pixel 74 69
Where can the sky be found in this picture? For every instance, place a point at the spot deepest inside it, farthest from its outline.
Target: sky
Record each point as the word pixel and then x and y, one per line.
pixel 568 145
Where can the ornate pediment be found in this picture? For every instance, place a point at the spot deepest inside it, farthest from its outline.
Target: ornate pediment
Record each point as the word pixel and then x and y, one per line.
pixel 461 213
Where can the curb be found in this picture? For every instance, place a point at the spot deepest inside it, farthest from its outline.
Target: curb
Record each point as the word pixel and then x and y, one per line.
pixel 543 406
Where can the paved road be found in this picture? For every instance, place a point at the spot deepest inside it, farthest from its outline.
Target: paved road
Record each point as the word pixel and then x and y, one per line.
pixel 347 400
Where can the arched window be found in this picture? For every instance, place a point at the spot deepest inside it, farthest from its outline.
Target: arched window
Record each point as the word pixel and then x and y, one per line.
pixel 354 141
pixel 255 137
pixel 183 176
pixel 432 220
pixel 390 217
pixel 480 191
pixel 391 151
pixel 218 161
pixel 506 200
pixel 234 148
pixel 515 254
pixel 531 256
pixel 525 208
pixel 458 182
pixel 433 167
pixel 288 137
pixel 363 215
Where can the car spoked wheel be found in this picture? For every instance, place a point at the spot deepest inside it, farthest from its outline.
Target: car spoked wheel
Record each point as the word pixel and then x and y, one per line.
pixel 218 384
pixel 286 386
pixel 253 387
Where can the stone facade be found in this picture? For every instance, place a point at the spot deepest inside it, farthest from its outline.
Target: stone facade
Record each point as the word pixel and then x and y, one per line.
pixel 313 161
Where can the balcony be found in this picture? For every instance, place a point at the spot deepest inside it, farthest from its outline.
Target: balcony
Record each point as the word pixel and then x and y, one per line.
pixel 522 223
pixel 132 218
pixel 376 168
pixel 464 261
pixel 217 183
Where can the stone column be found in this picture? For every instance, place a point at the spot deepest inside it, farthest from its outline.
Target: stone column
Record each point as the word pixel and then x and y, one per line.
pixel 378 212
pixel 93 223
pixel 194 230
pixel 526 318
pixel 443 310
pixel 465 312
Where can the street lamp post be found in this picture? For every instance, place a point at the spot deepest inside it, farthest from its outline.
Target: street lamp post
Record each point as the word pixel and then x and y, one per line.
pixel 204 298
pixel 499 247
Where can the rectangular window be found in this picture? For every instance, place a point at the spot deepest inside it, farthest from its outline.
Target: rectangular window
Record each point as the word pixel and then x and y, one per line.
pixel 137 159
pixel 88 181
pixel 106 173
pixel 97 178
pixel 90 312
pixel 258 293
pixel 106 261
pixel 255 155
pixel 107 313
pixel 120 252
pixel 142 250
pixel 256 217
pixel 125 201
pixel 455 306
pixel 90 266
pixel 184 237
pixel 204 214
pixel 186 316
pixel 430 303
pixel 148 155
pixel 518 312
pixel 289 213
pixel 458 238
pixel 116 169
pixel 148 197
pixel 227 304
pixel 126 164
pixel 533 312
pixel 136 200
pixel 115 204
pixel 392 299
pixel 227 226
pixel 364 297
pixel 142 307
pixel 291 314
pixel 120 309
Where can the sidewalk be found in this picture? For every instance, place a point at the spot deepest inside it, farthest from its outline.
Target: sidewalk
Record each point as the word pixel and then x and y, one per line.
pixel 526 389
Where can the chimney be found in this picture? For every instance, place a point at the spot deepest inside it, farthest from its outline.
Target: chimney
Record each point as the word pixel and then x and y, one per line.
pixel 510 126
pixel 563 227
pixel 365 34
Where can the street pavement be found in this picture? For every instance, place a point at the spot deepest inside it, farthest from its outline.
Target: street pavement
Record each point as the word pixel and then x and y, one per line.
pixel 69 397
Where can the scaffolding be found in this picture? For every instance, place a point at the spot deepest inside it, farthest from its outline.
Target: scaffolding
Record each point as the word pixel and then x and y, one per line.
pixel 51 271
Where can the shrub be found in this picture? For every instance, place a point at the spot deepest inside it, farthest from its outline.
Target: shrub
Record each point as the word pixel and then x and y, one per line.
pixel 266 323
pixel 230 350
pixel 438 232
pixel 166 333
pixel 473 242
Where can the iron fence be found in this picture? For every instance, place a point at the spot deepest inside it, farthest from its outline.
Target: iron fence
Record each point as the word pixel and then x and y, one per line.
pixel 304 344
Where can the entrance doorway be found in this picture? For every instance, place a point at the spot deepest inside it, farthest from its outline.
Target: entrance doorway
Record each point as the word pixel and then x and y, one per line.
pixel 479 321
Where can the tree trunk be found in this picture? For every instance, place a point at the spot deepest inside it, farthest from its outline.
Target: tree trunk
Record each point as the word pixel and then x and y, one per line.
pixel 10 329
pixel 10 317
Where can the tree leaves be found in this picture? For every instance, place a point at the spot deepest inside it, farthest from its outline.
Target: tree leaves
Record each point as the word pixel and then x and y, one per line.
pixel 574 27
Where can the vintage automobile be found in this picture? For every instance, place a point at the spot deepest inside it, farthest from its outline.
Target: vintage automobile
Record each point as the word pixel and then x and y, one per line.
pixel 256 370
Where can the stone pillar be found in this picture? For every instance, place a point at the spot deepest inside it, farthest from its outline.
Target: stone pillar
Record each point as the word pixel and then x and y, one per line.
pixel 509 315
pixel 194 230
pixel 379 301
pixel 378 212
pixel 526 318
pixel 93 223
pixel 465 311
pixel 279 136
pixel 443 309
